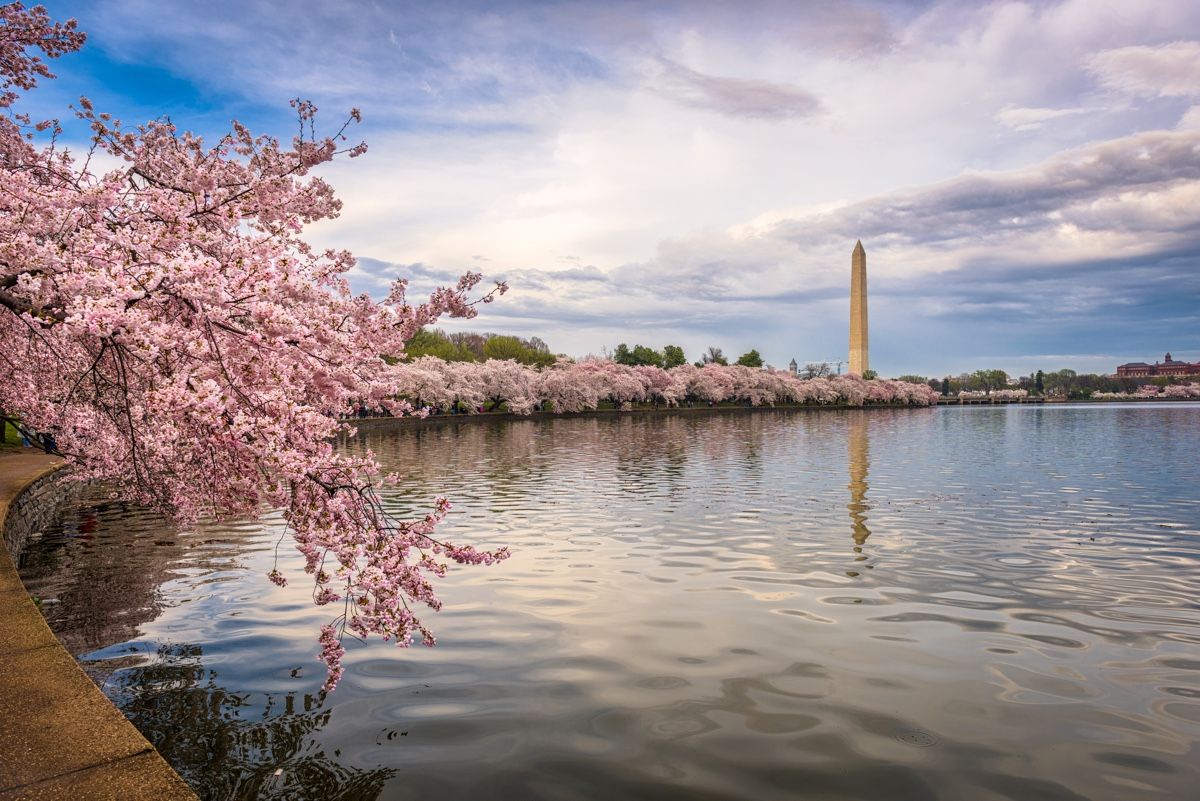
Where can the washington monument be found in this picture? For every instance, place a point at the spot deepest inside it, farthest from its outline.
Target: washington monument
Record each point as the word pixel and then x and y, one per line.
pixel 858 310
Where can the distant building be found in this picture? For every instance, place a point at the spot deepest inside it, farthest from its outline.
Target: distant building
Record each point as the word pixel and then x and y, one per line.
pixel 1167 366
pixel 793 367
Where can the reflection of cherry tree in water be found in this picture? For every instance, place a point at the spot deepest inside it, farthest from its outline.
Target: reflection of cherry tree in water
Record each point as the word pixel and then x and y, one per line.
pixel 99 568
pixel 519 455
pixel 504 455
pixel 237 746
pixel 104 563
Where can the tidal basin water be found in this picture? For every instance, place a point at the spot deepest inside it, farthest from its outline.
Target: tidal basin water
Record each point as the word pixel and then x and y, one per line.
pixel 958 603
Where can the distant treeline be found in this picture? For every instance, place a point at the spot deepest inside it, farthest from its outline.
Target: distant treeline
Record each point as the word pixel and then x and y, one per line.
pixel 468 346
pixel 1057 383
pixel 673 356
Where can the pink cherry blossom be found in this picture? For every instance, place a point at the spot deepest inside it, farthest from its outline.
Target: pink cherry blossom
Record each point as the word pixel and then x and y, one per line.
pixel 167 324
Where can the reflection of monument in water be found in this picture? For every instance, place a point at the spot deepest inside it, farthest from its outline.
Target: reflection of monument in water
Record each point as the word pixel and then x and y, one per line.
pixel 860 463
pixel 859 363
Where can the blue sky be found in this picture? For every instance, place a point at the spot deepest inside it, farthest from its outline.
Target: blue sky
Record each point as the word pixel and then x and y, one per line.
pixel 1025 176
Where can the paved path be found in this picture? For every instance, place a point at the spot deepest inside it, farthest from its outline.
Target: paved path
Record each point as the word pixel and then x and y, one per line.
pixel 60 738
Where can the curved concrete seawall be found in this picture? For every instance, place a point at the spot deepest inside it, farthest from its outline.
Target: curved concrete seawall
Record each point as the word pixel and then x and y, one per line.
pixel 60 738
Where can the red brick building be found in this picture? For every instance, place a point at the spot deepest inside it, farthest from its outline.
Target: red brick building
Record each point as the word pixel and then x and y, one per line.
pixel 1167 366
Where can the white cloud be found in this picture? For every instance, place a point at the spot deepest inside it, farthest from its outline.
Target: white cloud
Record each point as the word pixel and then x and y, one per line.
pixel 1031 119
pixel 1169 70
pixel 1190 121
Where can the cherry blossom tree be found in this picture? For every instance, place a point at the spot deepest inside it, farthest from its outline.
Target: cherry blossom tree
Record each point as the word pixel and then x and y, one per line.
pixel 504 381
pixel 1181 391
pixel 428 382
pixel 619 383
pixel 662 386
pixel 570 389
pixel 1149 391
pixel 167 325
pixel 848 389
pixel 464 384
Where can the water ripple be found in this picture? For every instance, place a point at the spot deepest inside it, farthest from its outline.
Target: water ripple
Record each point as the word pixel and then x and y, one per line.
pixel 983 603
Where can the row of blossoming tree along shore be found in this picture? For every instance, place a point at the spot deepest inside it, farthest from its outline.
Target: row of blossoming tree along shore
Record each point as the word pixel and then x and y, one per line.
pixel 1144 392
pixel 165 323
pixel 995 394
pixel 1151 392
pixel 429 383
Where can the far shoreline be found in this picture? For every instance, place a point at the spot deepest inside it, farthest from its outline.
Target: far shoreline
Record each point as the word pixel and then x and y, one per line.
pixel 384 423
pixel 378 424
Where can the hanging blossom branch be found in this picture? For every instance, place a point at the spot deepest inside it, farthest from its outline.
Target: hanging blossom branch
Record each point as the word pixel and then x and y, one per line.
pixel 168 325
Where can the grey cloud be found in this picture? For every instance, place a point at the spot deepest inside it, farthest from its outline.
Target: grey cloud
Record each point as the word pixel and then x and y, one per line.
pixel 983 205
pixel 688 274
pixel 1140 307
pixel 1164 286
pixel 525 306
pixel 374 276
pixel 735 97
pixel 575 274
pixel 847 28
pixel 841 28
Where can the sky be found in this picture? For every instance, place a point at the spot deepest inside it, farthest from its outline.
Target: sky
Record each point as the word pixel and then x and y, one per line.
pixel 1025 176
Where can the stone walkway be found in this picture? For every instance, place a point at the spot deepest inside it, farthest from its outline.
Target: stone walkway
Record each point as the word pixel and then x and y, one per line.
pixel 60 738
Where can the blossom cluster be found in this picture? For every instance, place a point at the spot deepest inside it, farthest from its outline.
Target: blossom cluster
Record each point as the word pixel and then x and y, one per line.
pixel 1171 392
pixel 165 323
pixel 996 394
pixel 430 382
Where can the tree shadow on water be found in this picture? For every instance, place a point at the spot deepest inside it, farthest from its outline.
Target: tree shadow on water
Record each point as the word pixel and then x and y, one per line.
pixel 231 747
